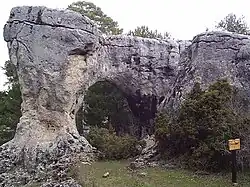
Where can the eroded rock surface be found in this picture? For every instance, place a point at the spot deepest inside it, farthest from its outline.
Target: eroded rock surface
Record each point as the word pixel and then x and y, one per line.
pixel 148 155
pixel 212 56
pixel 59 54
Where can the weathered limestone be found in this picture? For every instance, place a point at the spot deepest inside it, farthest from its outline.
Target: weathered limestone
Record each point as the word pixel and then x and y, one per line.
pixel 212 56
pixel 60 53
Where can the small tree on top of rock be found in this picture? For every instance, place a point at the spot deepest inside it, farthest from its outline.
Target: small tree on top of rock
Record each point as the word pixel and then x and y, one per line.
pixel 145 32
pixel 233 24
pixel 105 23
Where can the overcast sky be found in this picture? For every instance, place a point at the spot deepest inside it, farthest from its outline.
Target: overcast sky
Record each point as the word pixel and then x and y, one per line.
pixel 183 19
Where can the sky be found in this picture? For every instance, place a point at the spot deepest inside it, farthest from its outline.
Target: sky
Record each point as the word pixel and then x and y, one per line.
pixel 183 19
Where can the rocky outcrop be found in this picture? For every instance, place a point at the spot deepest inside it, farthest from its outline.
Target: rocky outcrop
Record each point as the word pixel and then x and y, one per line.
pixel 212 56
pixel 41 43
pixel 59 54
pixel 148 155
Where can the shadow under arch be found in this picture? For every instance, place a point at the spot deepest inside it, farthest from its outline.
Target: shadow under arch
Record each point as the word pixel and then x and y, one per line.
pixel 105 104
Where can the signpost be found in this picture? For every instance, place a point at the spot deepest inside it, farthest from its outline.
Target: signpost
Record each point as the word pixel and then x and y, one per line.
pixel 234 144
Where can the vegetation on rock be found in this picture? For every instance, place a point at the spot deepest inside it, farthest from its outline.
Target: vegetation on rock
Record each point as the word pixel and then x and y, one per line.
pixel 204 124
pixel 145 32
pixel 104 23
pixel 198 134
pixel 233 24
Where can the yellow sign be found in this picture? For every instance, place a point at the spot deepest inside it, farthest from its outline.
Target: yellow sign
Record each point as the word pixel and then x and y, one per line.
pixel 234 144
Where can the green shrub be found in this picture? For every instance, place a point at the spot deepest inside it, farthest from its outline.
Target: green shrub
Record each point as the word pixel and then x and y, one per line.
pixel 205 122
pixel 112 146
pixel 162 131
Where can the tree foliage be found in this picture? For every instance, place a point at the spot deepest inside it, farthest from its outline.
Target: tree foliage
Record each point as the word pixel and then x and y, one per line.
pixel 204 124
pixel 145 32
pixel 105 23
pixel 112 146
pixel 105 105
pixel 233 24
pixel 10 104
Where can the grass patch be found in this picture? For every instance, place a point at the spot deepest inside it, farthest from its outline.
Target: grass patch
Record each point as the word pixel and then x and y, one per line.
pixel 120 176
pixel 33 185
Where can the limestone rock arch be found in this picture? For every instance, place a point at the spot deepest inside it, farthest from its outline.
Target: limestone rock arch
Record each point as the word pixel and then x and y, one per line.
pixel 59 54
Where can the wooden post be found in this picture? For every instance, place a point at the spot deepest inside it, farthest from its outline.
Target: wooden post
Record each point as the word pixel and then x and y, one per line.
pixel 234 170
pixel 234 144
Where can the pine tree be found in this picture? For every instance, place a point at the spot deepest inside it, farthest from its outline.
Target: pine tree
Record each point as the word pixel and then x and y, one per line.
pixel 145 32
pixel 233 24
pixel 105 23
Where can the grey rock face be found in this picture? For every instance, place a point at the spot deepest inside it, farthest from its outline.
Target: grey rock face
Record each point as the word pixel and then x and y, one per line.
pixel 59 54
pixel 212 56
pixel 218 55
pixel 148 155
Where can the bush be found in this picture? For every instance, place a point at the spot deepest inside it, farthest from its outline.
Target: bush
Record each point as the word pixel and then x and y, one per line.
pixel 205 122
pixel 162 131
pixel 112 146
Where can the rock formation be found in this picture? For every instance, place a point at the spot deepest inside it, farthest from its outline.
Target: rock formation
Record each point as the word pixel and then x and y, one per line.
pixel 60 53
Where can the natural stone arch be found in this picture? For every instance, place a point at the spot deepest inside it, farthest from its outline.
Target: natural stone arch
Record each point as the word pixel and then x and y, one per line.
pixel 60 53
pixel 131 66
